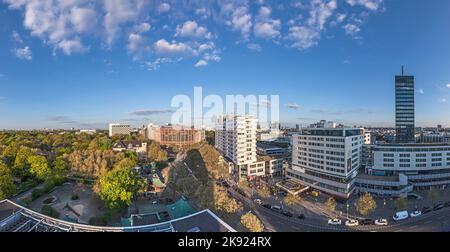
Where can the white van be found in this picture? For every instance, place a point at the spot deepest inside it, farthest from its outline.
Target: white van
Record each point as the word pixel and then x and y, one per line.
pixel 402 215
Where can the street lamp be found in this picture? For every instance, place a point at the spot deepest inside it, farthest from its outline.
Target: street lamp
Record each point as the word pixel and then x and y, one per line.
pixel 347 210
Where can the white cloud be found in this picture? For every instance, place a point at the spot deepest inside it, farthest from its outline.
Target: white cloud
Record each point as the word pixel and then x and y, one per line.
pixel 201 63
pixel 192 29
pixel 83 19
pixel 71 46
pixel 351 29
pixel 369 4
pixel 23 53
pixel 237 16
pixel 421 91
pixel 307 35
pixel 142 27
pixel 265 26
pixel 16 37
pixel 443 100
pixel 254 47
pixel 448 85
pixel 164 47
pixel 163 7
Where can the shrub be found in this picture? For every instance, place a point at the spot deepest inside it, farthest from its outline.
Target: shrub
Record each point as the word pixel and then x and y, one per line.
pixel 49 211
pixel 75 197
pixel 36 193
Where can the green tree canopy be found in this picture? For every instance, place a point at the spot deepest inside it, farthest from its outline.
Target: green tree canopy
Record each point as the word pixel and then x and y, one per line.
pixel 7 188
pixel 39 166
pixel 118 187
pixel 20 166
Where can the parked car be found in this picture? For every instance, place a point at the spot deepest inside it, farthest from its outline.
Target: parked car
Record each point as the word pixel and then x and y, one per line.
pixel 315 193
pixel 416 213
pixel 381 222
pixel 402 215
pixel 301 216
pixel 352 223
pixel 276 208
pixel 365 222
pixel 287 214
pixel 438 207
pixel 334 222
pixel 426 209
pixel 258 201
pixel 268 206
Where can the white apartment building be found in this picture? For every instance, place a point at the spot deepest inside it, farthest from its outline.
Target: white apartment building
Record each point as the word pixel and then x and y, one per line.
pixel 327 159
pixel 236 140
pixel 119 129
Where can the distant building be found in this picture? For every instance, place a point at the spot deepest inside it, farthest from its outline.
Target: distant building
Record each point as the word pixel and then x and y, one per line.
pixel 174 135
pixel 404 108
pixel 369 137
pixel 88 131
pixel 119 129
pixel 136 146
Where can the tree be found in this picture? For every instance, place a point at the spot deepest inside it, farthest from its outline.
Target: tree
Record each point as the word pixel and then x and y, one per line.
pixel 224 203
pixel 252 223
pixel 331 204
pixel 7 188
pixel 118 187
pixel 401 203
pixel 155 153
pixel 365 204
pixel 264 191
pixel 291 200
pixel 20 166
pixel 39 166
pixel 60 165
pixel 432 195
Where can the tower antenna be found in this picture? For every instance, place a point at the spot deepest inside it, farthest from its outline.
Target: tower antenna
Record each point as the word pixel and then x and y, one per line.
pixel 403 70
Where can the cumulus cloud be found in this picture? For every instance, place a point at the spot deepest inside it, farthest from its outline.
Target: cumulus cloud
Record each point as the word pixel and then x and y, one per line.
pixel 75 26
pixel 163 7
pixel 23 53
pixel 369 4
pixel 448 85
pixel 201 63
pixel 420 91
pixel 192 29
pixel 265 26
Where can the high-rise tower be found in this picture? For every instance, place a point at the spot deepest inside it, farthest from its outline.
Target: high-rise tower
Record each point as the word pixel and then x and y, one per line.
pixel 404 108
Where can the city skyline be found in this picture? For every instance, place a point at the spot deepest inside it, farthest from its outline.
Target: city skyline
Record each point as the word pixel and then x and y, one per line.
pixel 87 64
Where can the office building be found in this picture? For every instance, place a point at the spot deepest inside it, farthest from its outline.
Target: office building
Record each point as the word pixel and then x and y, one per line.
pixel 119 129
pixel 327 159
pixel 174 135
pixel 404 108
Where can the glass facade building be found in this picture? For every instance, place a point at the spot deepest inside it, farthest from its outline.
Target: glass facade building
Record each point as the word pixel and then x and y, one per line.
pixel 404 108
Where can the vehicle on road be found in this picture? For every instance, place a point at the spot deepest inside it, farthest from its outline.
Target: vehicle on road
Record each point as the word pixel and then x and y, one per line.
pixel 365 222
pixel 413 196
pixel 315 193
pixel 334 222
pixel 301 216
pixel 415 213
pixel 287 214
pixel 381 222
pixel 268 206
pixel 276 208
pixel 438 207
pixel 402 215
pixel 282 194
pixel 352 223
pixel 258 201
pixel 426 209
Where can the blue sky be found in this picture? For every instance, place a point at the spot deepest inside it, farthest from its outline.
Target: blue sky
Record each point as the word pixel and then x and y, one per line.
pixel 83 63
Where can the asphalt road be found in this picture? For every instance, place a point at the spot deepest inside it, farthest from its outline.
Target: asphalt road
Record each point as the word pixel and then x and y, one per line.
pixel 435 221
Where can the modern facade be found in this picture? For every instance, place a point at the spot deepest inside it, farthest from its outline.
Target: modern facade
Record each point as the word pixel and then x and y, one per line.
pixel 423 166
pixel 404 108
pixel 327 159
pixel 174 135
pixel 119 129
